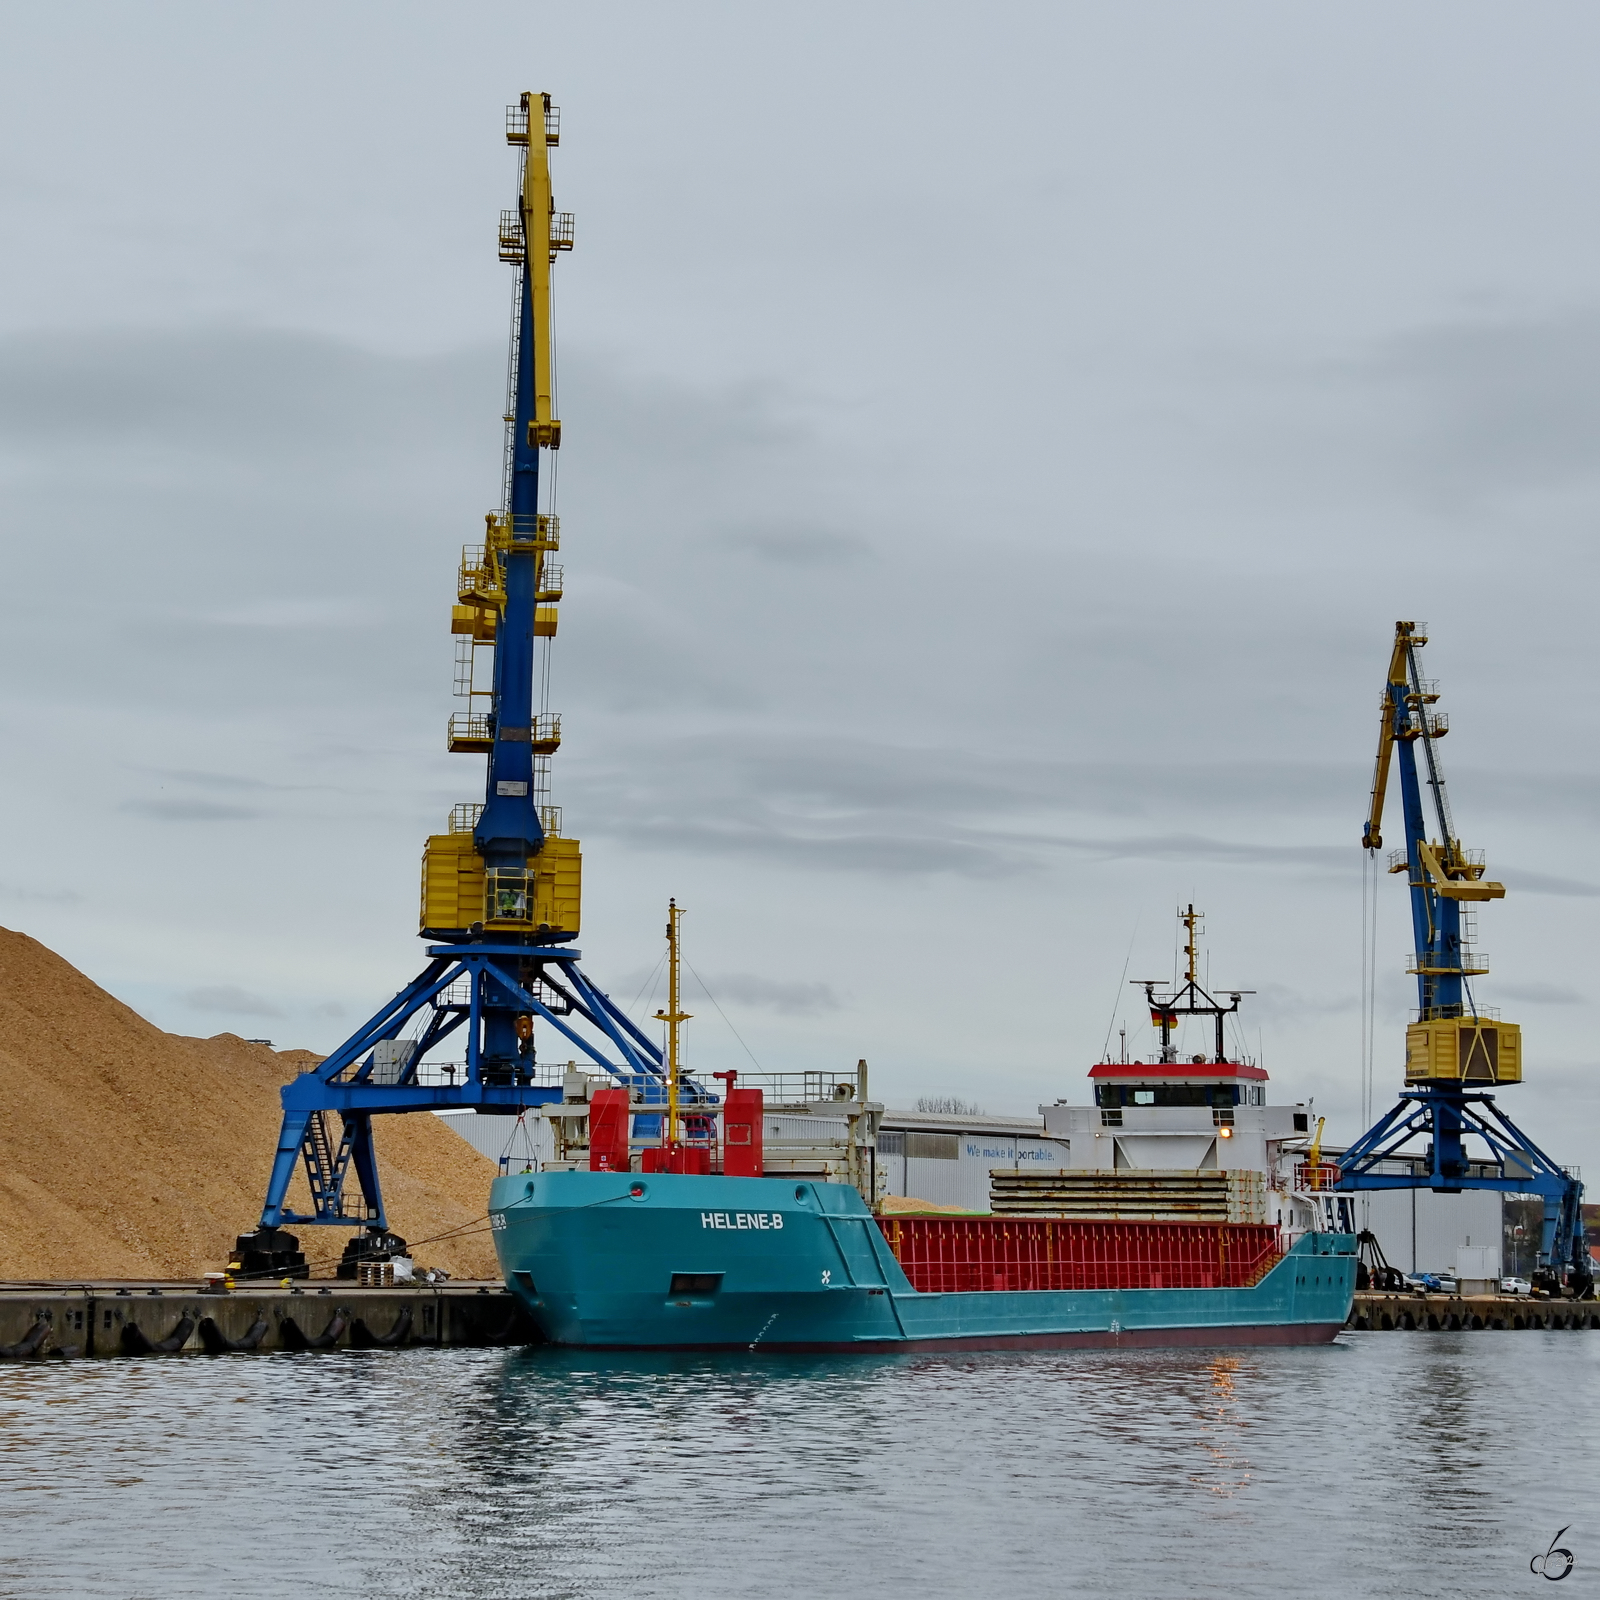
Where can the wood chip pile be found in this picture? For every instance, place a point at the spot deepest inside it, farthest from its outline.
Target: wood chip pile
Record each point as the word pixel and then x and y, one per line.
pixel 126 1152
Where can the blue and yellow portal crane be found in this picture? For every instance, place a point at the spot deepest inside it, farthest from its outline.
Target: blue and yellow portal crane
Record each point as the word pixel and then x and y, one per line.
pixel 501 887
pixel 1456 1050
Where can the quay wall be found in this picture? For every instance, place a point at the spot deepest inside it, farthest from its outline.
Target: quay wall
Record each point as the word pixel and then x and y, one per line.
pixel 40 1320
pixel 1435 1313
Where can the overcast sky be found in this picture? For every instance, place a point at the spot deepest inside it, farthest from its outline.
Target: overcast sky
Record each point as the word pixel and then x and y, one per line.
pixel 998 444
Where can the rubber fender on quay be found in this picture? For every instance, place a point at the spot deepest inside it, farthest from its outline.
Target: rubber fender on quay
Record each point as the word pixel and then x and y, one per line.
pixel 135 1342
pixel 363 1338
pixel 30 1344
pixel 293 1336
pixel 217 1343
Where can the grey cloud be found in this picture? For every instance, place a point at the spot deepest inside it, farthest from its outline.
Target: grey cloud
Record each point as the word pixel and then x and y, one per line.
pixel 795 546
pixel 1276 1000
pixel 1525 882
pixel 768 840
pixel 1542 994
pixel 28 896
pixel 220 780
pixel 1077 636
pixel 1458 415
pixel 180 810
pixel 1193 847
pixel 836 778
pixel 848 805
pixel 296 613
pixel 1505 404
pixel 787 997
pixel 285 390
pixel 227 998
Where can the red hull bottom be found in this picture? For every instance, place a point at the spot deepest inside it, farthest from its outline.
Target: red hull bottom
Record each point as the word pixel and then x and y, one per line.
pixel 1220 1338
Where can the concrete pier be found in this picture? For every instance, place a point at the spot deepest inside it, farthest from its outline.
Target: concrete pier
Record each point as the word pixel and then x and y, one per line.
pixel 1436 1312
pixel 41 1320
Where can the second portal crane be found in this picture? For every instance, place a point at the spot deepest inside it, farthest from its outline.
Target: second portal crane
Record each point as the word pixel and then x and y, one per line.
pixel 1456 1050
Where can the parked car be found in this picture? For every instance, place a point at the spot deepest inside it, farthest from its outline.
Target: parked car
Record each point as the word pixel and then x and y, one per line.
pixel 1433 1282
pixel 1515 1286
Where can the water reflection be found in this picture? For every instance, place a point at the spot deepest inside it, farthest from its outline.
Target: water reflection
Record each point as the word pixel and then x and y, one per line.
pixel 542 1474
pixel 1221 1430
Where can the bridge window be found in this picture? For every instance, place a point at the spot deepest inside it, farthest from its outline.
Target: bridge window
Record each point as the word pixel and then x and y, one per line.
pixel 1170 1094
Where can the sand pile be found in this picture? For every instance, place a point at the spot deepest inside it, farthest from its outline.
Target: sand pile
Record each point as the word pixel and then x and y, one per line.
pixel 126 1152
pixel 899 1205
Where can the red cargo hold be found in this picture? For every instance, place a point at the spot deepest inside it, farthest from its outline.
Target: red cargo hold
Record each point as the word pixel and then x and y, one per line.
pixel 949 1255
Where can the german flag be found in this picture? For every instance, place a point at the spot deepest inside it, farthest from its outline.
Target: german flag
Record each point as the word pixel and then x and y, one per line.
pixel 1163 1019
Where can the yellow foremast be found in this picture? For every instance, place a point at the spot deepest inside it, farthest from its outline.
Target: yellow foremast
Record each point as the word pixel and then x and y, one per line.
pixel 674 1018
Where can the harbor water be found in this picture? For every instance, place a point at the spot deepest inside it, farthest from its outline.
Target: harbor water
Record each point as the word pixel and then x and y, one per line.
pixel 1405 1464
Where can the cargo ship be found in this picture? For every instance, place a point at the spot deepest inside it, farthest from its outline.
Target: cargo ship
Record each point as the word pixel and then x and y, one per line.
pixel 682 1227
pixel 614 1260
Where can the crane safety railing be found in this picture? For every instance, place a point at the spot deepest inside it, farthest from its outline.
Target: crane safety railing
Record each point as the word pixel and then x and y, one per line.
pixel 1310 1178
pixel 517 124
pixel 542 530
pixel 535 1074
pixel 1474 963
pixel 801 1088
pixel 511 239
pixel 455 994
pixel 1398 862
pixel 479 576
pixel 464 817
pixel 957 1255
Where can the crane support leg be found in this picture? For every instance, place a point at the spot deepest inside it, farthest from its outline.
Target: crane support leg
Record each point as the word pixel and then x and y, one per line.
pixel 1445 1117
pixel 382 1068
pixel 358 1128
pixel 290 1137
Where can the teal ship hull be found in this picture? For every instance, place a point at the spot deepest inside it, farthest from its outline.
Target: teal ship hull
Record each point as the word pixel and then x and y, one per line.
pixel 621 1261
